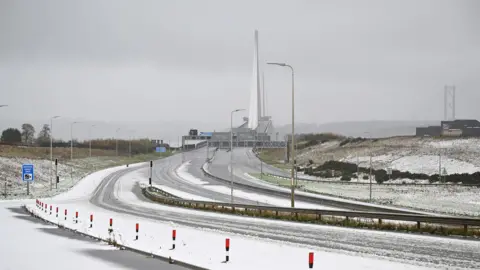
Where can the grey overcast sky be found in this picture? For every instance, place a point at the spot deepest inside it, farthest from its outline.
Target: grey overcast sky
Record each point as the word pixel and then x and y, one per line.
pixel 124 62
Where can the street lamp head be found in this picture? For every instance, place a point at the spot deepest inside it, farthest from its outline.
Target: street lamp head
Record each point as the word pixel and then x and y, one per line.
pixel 277 64
pixel 4 105
pixel 238 110
pixel 56 116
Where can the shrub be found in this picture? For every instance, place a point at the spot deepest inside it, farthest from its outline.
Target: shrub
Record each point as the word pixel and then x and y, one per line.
pixel 365 177
pixel 346 178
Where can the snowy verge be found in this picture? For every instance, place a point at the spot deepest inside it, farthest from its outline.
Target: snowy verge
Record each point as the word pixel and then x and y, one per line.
pixel 183 173
pixel 245 252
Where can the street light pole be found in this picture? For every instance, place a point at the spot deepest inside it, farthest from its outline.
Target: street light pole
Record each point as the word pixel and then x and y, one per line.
pixel 71 139
pixel 51 150
pixel 231 152
pixel 293 130
pixel 116 141
pixel 90 139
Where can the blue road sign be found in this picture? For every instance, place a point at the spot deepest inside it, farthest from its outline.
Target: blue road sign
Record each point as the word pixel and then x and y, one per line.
pixel 160 149
pixel 27 172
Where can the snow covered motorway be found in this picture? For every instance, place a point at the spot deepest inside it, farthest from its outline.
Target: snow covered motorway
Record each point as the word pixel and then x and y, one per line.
pixel 255 243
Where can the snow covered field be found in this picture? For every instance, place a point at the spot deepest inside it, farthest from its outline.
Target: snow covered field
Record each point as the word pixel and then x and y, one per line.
pixel 427 164
pixel 448 199
pixel 70 172
pixel 414 154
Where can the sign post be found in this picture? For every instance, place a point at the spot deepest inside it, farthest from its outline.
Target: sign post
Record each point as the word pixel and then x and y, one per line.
pixel 27 175
pixel 56 173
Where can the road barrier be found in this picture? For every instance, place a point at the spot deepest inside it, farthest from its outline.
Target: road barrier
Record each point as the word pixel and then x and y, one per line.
pixel 315 213
pixel 310 260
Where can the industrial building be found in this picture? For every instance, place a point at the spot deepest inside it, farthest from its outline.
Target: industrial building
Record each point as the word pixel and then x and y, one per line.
pixel 452 128
pixel 256 131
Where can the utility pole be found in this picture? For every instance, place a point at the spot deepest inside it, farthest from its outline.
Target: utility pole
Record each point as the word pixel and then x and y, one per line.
pixel 440 166
pixel 116 141
pixel 51 148
pixel 90 139
pixel 370 176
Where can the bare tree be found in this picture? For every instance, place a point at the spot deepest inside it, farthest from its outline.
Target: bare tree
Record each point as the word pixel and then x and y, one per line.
pixel 28 133
pixel 44 135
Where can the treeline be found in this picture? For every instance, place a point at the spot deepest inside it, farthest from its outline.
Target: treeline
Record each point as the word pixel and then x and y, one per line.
pixel 26 137
pixel 349 170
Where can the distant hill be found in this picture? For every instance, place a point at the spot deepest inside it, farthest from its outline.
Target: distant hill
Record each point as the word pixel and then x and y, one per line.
pixel 377 129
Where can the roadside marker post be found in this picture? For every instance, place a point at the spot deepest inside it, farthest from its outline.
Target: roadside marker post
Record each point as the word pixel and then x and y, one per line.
pixel 91 220
pixel 76 217
pixel 65 214
pixel 310 260
pixel 150 178
pixel 50 209
pixel 136 230
pixel 227 249
pixel 174 236
pixel 46 207
pixel 57 211
pixel 111 226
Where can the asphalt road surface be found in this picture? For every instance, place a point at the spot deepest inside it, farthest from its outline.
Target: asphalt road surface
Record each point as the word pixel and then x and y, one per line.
pixel 441 253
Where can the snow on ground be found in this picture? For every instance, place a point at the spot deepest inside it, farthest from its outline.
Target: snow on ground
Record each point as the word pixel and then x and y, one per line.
pixel 427 164
pixel 139 177
pixel 183 173
pixel 179 193
pixel 70 172
pixel 448 199
pixel 334 191
pixel 265 199
pixel 191 247
pixel 246 252
pixel 29 244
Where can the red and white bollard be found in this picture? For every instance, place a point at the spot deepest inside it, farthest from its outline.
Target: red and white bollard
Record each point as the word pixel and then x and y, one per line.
pixel 136 230
pixel 65 214
pixel 57 211
pixel 91 220
pixel 46 206
pixel 310 260
pixel 111 226
pixel 227 249
pixel 76 217
pixel 51 209
pixel 174 236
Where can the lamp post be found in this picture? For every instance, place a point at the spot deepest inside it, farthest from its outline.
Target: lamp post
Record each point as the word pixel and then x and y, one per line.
pixel 71 139
pixel 51 149
pixel 293 129
pixel 130 143
pixel 370 172
pixel 116 141
pixel 231 152
pixel 90 139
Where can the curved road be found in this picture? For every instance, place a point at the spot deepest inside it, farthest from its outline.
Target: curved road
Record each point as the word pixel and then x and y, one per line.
pixel 437 252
